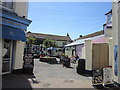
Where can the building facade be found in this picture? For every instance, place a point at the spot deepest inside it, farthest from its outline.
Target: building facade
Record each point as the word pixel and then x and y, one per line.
pixel 84 45
pixel 14 23
pixel 116 40
pixel 60 42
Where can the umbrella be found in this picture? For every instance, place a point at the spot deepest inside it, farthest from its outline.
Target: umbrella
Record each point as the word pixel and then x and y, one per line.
pixel 51 48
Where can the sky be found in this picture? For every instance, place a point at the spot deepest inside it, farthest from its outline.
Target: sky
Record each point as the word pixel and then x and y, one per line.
pixel 60 18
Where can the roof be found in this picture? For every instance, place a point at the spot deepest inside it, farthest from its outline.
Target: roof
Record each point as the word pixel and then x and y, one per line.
pixel 95 39
pixel 49 36
pixel 92 35
pixel 82 39
pixel 109 12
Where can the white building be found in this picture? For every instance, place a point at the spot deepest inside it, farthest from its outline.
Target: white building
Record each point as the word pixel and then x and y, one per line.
pixel 116 40
pixel 84 46
pixel 14 22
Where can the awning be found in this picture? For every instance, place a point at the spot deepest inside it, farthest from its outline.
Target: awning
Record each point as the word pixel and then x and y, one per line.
pixel 12 33
pixel 97 39
pixel 12 26
pixel 51 48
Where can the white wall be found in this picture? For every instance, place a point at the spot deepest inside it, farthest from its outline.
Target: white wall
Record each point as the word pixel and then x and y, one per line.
pixel 19 55
pixel 118 42
pixel 79 50
pixel 83 55
pixel 21 8
pixel 88 54
pixel 60 43
pixel 108 32
pixel 1 57
pixel 68 51
pixel 111 52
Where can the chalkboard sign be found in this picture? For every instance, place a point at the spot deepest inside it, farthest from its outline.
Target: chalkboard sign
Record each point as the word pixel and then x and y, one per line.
pixel 28 59
pixel 97 77
pixel 28 63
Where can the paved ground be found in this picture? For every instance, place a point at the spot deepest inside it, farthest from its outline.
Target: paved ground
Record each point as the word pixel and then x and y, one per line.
pixel 48 76
pixel 55 76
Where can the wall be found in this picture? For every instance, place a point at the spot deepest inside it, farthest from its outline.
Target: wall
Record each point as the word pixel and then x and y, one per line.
pixel 83 55
pixel 115 32
pixel 21 8
pixel 19 55
pixel 68 51
pixel 118 42
pixel 60 43
pixel 88 54
pixel 111 51
pixel 111 54
pixel 79 50
pixel 108 32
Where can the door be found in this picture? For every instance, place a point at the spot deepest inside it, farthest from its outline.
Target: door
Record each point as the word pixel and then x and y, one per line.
pixel 100 56
pixel 6 64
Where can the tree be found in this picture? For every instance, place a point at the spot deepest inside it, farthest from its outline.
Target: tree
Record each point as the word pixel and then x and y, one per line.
pixel 30 41
pixel 49 43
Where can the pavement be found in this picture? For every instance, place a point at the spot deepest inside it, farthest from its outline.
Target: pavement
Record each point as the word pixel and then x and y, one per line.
pixel 57 76
pixel 48 76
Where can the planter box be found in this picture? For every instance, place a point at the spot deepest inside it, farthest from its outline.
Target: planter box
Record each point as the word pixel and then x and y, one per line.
pixel 49 60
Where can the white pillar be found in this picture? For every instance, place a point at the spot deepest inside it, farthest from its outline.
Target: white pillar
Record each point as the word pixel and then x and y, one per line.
pixel 19 55
pixel 116 39
pixel 88 54
pixel 118 42
pixel 111 51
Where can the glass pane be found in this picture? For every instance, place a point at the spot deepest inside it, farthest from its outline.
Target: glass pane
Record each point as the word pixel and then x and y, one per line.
pixel 8 4
pixel 6 56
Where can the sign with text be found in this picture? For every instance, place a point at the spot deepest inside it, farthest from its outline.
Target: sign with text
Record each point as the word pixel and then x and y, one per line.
pixel 107 76
pixel 97 77
pixel 28 60
pixel 116 60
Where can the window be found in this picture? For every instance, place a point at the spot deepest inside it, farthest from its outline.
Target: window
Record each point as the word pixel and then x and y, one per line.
pixel 8 4
pixel 64 43
pixel 109 17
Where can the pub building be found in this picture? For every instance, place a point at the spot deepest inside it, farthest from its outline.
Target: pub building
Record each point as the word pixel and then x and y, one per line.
pixel 13 25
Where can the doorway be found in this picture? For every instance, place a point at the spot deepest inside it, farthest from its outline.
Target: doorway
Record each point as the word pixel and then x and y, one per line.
pixel 100 56
pixel 7 54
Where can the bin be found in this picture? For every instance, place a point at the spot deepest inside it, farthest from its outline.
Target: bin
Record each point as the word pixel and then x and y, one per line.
pixel 81 66
pixel 97 78
pixel 66 63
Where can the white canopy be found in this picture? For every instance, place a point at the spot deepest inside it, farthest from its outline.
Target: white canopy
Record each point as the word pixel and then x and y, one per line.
pixel 81 41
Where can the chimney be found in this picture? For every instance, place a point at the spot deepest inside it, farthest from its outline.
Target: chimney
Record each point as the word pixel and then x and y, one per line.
pixel 24 17
pixel 67 34
pixel 80 36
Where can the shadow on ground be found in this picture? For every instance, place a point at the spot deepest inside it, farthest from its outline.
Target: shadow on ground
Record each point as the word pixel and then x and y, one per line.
pixel 86 73
pixel 15 81
pixel 110 87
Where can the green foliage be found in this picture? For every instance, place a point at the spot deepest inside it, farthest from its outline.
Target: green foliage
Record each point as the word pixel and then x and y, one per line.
pixel 49 43
pixel 31 40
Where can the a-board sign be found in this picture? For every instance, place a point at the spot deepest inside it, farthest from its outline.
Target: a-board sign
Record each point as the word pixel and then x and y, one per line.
pixel 28 61
pixel 97 78
pixel 107 76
